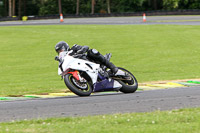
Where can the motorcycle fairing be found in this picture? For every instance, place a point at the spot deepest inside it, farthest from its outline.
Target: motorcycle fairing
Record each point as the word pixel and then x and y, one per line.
pixel 106 85
pixel 82 65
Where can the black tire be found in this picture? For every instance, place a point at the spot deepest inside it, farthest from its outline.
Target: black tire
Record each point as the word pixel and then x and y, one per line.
pixel 71 83
pixel 127 86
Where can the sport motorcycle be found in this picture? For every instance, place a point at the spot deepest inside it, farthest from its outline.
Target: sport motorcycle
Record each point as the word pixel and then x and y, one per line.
pixel 83 76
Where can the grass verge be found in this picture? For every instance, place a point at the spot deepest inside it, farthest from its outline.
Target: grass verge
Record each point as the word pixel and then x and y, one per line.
pixel 178 121
pixel 150 52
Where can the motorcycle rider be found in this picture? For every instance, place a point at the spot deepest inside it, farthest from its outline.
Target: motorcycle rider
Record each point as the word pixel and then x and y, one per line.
pixel 91 54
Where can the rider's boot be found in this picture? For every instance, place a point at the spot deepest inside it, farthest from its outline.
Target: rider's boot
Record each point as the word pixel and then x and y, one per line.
pixel 112 67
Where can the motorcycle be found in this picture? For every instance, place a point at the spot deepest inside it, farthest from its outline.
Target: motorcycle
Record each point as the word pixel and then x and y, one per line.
pixel 83 76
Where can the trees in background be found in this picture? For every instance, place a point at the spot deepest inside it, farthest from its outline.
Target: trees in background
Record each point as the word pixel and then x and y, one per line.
pixel 10 7
pixel 77 7
pixel 19 7
pixel 108 6
pixel 49 7
pixel 92 5
pixel 60 6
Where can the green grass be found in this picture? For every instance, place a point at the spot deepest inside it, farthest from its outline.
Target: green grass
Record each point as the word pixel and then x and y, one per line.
pixel 150 52
pixel 176 121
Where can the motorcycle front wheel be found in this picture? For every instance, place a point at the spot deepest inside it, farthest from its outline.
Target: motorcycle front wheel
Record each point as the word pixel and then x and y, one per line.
pixel 77 87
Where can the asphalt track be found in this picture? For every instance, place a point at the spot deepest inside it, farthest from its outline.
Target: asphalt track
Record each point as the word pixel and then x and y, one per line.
pixel 140 101
pixel 177 20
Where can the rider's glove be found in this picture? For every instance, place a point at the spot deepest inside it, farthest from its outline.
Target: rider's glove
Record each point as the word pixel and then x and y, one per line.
pixel 83 49
pixel 80 51
pixel 74 47
pixel 57 58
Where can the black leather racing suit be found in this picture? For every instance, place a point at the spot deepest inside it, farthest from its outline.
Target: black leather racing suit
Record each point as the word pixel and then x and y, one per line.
pixel 94 55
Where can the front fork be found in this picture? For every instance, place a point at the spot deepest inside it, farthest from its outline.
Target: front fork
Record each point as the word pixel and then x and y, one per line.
pixel 74 73
pixel 77 76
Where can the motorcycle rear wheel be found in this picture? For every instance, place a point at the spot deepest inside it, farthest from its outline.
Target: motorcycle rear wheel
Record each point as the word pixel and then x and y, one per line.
pixel 128 86
pixel 80 89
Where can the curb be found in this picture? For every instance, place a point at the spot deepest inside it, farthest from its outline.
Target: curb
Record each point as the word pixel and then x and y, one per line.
pixel 168 85
pixel 142 87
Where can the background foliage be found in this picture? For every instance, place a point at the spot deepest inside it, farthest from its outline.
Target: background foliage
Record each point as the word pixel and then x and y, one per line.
pixel 50 7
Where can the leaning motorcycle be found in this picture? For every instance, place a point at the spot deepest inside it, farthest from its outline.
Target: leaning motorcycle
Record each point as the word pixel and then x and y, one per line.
pixel 84 77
